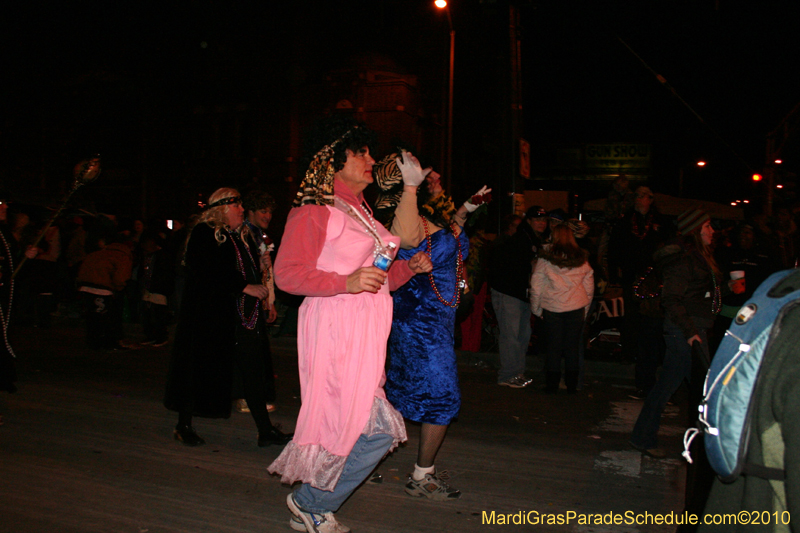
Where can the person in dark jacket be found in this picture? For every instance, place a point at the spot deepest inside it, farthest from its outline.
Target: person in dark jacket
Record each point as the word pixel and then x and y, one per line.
pixel 10 258
pixel 509 278
pixel 258 206
pixel 635 239
pixel 750 255
pixel 691 297
pixel 157 280
pixel 219 326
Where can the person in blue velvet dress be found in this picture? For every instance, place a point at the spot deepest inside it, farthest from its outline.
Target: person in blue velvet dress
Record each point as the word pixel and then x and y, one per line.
pixel 422 378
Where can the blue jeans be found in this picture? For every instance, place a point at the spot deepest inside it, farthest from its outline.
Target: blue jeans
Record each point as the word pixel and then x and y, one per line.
pixel 514 322
pixel 677 367
pixel 365 455
pixel 649 350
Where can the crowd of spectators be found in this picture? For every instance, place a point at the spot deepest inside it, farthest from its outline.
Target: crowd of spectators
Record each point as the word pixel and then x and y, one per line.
pixel 87 263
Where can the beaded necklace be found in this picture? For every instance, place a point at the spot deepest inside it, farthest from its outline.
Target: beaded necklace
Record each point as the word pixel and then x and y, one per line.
pixel 5 317
pixel 265 246
pixel 369 225
pixel 640 293
pixel 648 219
pixel 456 299
pixel 716 300
pixel 248 322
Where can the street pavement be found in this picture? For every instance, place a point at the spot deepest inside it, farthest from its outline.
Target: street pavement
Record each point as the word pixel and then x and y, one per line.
pixel 87 447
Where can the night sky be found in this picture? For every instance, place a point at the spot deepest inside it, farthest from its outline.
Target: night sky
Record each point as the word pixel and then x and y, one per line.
pixel 78 79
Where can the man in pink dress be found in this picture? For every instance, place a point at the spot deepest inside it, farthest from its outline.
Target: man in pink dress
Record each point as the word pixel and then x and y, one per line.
pixel 345 425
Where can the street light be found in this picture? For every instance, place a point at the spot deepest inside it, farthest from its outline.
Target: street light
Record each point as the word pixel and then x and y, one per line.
pixel 700 164
pixel 442 4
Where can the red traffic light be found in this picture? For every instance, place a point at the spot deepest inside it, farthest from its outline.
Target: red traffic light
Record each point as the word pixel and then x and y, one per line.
pixel 757 177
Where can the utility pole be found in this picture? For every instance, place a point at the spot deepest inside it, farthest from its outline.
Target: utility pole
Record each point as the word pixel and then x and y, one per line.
pixel 515 101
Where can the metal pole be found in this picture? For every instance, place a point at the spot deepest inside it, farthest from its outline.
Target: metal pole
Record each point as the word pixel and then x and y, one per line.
pixel 84 172
pixel 769 176
pixel 515 101
pixel 449 173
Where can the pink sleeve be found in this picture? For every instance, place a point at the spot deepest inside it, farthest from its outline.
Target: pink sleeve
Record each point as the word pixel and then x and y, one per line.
pixel 399 274
pixel 296 263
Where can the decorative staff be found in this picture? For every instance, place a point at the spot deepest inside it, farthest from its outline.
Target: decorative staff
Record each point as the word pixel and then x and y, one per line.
pixel 84 172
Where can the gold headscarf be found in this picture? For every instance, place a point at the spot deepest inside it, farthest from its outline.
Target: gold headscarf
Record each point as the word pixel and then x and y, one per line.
pixel 439 208
pixel 390 181
pixel 317 185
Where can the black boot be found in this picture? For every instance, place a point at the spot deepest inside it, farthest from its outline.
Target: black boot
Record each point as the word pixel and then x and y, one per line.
pixel 187 435
pixel 552 380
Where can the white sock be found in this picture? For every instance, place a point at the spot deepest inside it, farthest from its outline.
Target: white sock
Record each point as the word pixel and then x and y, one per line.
pixel 419 472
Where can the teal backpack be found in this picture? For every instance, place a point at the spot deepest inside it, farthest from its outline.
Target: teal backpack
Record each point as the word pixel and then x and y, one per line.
pixel 725 412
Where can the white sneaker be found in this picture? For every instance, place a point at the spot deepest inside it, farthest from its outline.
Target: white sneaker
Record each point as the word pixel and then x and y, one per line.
pixel 313 522
pixel 297 524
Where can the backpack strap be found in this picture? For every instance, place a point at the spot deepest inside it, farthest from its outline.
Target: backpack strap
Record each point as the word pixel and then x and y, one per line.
pixel 764 472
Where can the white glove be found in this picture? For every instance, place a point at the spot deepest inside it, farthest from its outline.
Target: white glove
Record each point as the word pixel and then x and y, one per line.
pixel 472 207
pixel 413 173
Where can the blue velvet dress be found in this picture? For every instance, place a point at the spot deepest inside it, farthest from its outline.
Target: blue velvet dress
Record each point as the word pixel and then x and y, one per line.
pixel 422 380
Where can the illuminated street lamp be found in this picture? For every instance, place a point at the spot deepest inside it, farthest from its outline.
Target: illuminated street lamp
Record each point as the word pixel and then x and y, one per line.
pixel 442 4
pixel 700 164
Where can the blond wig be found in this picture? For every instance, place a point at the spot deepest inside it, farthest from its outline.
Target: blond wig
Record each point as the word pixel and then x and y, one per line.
pixel 216 217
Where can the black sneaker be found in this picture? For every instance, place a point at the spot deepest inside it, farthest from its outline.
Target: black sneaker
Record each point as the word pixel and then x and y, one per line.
pixel 433 487
pixel 638 394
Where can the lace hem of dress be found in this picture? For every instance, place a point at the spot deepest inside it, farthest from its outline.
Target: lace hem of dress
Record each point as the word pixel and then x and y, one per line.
pixel 313 464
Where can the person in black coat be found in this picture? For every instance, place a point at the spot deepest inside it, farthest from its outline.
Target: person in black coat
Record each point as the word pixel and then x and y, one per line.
pixel 220 326
pixel 157 279
pixel 11 255
pixel 637 236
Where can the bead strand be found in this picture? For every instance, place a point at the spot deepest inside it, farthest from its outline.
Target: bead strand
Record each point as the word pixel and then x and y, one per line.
pixel 456 299
pixel 5 318
pixel 249 322
pixel 716 301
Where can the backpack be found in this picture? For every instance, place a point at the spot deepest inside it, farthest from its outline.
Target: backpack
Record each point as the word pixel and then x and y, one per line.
pixel 726 410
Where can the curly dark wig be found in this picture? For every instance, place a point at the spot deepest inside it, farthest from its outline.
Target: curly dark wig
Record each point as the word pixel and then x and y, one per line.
pixel 332 128
pixel 256 200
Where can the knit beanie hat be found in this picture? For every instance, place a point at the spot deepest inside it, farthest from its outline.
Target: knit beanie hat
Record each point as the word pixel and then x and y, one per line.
pixel 691 219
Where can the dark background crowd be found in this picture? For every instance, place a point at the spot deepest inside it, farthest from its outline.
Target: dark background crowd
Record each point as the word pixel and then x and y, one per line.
pixel 48 286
